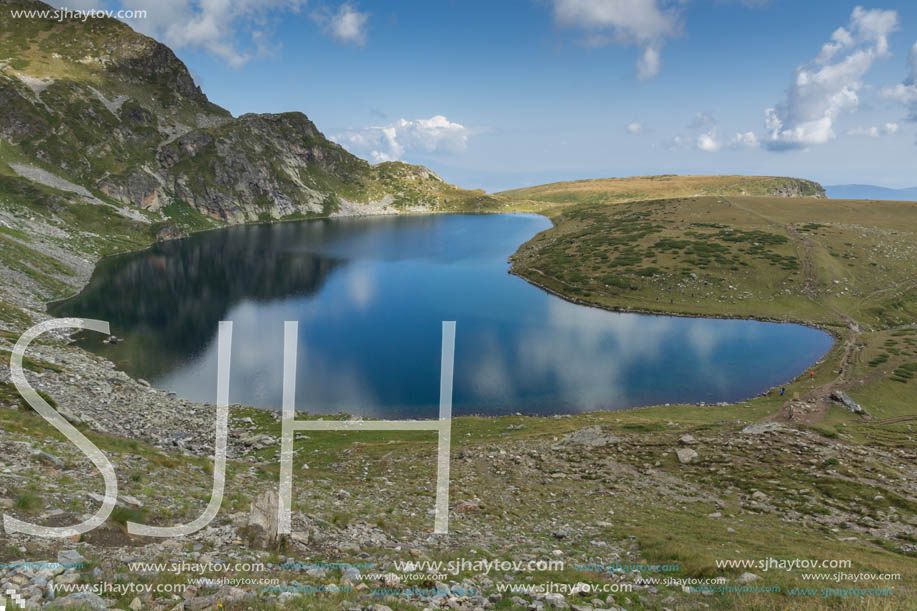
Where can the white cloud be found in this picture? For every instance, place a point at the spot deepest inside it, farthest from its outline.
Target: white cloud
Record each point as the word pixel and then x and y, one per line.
pixel 649 63
pixel 634 128
pixel 906 93
pixel 708 142
pixel 702 120
pixel 822 90
pixel 706 137
pixel 745 140
pixel 642 23
pixel 347 25
pixel 390 142
pixel 864 131
pixel 874 132
pixel 213 25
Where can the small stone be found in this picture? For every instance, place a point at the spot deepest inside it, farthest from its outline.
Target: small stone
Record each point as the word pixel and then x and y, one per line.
pixel 466 506
pixel 746 577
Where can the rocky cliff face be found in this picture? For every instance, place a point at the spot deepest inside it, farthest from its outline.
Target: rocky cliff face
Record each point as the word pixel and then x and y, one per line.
pixel 117 113
pixel 275 165
pixel 798 187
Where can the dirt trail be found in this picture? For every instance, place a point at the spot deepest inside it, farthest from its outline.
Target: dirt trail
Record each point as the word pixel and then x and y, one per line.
pixel 812 407
pixel 807 259
pixel 805 249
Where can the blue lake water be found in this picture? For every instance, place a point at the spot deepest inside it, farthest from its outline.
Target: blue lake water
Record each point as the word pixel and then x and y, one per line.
pixel 370 295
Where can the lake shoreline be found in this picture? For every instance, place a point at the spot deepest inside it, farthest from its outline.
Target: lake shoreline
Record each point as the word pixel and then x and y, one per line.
pixel 543 288
pixel 835 336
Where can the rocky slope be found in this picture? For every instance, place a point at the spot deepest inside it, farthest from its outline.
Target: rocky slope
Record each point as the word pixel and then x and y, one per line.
pixel 118 114
pixel 107 145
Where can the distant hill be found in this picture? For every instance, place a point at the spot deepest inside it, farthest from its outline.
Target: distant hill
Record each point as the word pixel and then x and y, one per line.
pixel 613 190
pixel 871 192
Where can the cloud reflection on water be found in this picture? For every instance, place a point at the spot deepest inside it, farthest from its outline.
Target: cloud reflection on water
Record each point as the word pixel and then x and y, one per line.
pixel 370 296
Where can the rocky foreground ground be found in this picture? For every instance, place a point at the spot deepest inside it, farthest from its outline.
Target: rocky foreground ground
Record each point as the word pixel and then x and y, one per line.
pixel 596 489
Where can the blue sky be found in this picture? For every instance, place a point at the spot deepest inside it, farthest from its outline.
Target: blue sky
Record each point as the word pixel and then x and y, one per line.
pixel 509 93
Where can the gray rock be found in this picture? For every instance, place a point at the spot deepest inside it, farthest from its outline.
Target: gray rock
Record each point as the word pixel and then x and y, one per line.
pixel 351 576
pixel 263 520
pixel 591 436
pixel 842 398
pixel 69 416
pixel 69 556
pixel 49 459
pixel 81 600
pixel 686 455
pixel 759 428
pixel 746 577
pixel 201 602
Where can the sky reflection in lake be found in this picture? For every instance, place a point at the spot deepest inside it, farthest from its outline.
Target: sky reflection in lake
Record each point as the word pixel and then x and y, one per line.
pixel 370 295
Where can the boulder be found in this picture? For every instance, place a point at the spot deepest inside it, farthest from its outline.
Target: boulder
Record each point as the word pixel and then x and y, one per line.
pixel 591 436
pixel 351 576
pixel 79 600
pixel 842 398
pixel 69 556
pixel 686 455
pixel 264 521
pixel 759 428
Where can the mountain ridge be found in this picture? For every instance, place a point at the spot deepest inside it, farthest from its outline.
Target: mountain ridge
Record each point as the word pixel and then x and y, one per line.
pixel 633 188
pixel 118 113
pixel 862 191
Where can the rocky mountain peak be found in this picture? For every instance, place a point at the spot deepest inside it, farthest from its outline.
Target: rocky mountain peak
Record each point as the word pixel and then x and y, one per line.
pixel 102 107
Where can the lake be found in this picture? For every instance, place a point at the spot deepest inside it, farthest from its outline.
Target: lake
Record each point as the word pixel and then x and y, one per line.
pixel 370 295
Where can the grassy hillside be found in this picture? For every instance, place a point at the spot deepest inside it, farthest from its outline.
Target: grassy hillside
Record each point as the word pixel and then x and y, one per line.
pixel 797 259
pixel 615 190
pixel 846 266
